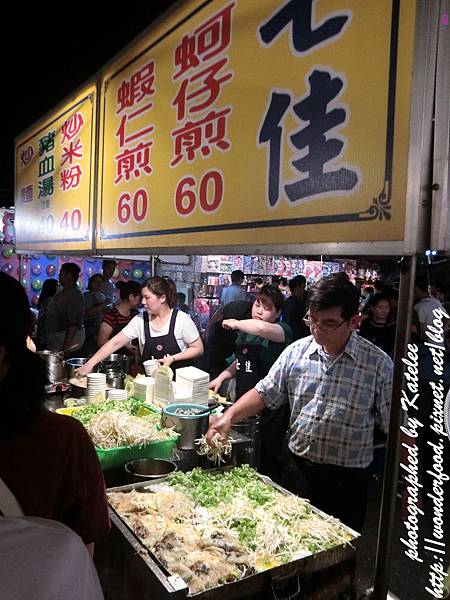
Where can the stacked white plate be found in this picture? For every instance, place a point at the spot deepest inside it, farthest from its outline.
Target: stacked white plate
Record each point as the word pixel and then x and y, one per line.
pixel 194 383
pixel 163 390
pixel 117 394
pixel 96 384
pixel 143 389
pixel 181 393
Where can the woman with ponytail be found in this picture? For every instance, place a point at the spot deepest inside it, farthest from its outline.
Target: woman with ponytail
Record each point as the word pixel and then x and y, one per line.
pixel 163 332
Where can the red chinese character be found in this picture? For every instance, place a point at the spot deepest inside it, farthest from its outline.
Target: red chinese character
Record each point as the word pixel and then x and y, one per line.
pixel 201 136
pixel 72 127
pixel 70 178
pixel 210 89
pixel 208 40
pixel 26 156
pixel 26 193
pixel 74 150
pixel 140 85
pixel 120 133
pixel 133 161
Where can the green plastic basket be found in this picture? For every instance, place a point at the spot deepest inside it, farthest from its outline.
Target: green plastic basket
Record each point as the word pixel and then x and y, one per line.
pixel 117 457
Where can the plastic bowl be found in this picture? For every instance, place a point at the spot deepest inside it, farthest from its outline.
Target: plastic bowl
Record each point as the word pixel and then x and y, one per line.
pixel 149 468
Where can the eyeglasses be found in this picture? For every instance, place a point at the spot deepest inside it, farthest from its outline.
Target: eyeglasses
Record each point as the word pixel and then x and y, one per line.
pixel 323 328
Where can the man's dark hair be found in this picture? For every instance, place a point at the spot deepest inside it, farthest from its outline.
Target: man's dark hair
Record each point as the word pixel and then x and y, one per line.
pixel 334 291
pixel 237 276
pixel 421 282
pixel 72 269
pixel 126 288
pixel 181 297
pixel 378 285
pixel 297 281
pixel 272 293
pixel 108 261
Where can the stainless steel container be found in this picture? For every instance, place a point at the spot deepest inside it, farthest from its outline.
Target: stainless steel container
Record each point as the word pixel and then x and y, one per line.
pixel 54 361
pixel 120 362
pixel 323 575
pixel 190 427
pixel 149 468
pixel 72 364
pixel 116 380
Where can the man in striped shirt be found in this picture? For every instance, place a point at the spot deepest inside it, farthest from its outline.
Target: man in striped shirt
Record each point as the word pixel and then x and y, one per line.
pixel 338 386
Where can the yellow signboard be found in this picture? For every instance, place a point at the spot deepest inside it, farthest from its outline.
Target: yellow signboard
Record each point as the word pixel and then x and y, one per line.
pixel 237 122
pixel 54 185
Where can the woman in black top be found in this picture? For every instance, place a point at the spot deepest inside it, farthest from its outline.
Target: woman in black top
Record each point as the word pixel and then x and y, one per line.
pixel 378 327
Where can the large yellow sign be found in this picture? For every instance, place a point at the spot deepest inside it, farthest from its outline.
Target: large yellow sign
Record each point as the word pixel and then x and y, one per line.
pixel 55 178
pixel 237 122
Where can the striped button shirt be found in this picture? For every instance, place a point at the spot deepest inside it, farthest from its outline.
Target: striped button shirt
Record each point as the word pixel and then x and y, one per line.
pixel 335 401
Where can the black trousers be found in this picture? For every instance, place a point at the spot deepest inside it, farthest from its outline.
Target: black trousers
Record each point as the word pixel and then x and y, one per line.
pixel 338 491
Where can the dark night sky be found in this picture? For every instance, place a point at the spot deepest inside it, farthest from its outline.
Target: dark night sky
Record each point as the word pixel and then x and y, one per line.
pixel 47 52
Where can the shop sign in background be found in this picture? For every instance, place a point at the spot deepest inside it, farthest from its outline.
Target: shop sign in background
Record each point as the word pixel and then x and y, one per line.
pixel 54 185
pixel 241 122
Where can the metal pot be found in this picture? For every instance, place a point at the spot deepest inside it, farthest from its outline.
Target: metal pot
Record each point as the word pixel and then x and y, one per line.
pixel 116 381
pixel 72 364
pixel 190 427
pixel 120 362
pixel 149 468
pixel 54 361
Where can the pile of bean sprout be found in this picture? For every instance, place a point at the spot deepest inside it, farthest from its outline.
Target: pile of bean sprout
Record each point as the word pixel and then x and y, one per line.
pixel 215 452
pixel 113 429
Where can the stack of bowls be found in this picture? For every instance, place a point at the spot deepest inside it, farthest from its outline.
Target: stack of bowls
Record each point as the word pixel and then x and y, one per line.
pixel 96 384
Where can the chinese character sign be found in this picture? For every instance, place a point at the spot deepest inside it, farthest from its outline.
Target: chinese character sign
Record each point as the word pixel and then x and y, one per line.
pixel 55 179
pixel 258 123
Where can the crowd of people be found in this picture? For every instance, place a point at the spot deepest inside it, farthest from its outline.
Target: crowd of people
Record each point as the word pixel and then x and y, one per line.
pixel 318 375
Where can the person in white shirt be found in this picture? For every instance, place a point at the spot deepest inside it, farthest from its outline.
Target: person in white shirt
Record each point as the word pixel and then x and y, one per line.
pixel 424 305
pixel 163 333
pixel 44 560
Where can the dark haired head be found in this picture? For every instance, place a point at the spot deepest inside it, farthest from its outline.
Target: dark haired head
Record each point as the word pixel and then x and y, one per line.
pixel 71 269
pixel 93 278
pixel 108 267
pixel 128 288
pixel 108 262
pixel 15 327
pixel 180 297
pixel 422 282
pixel 271 294
pixel 237 276
pixel 376 298
pixel 48 290
pixel 162 286
pixel 16 318
pixel 297 281
pixel 334 291
pixel 378 285
pixel 284 281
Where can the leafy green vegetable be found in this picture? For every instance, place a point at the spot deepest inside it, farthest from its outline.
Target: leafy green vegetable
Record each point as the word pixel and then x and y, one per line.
pixel 131 406
pixel 209 489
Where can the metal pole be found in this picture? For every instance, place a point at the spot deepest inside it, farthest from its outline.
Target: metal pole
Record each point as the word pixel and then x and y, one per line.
pixel 387 515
